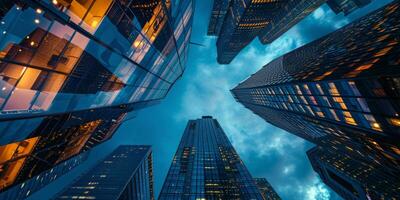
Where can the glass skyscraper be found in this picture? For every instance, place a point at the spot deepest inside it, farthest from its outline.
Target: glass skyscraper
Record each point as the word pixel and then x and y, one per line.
pixel 127 173
pixel 340 91
pixel 218 12
pixel 243 22
pixel 354 179
pixel 286 17
pixel 71 70
pixel 206 166
pixel 23 190
pixel 237 22
pixel 346 6
pixel 267 192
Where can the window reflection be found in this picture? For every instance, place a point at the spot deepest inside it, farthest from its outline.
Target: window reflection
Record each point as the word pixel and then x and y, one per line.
pixel 12 158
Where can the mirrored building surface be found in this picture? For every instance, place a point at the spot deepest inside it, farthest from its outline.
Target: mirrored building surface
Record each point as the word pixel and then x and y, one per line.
pixel 340 91
pixel 127 173
pixel 237 22
pixel 346 6
pixel 23 190
pixel 291 13
pixel 243 22
pixel 351 178
pixel 206 166
pixel 218 13
pixel 267 192
pixel 71 70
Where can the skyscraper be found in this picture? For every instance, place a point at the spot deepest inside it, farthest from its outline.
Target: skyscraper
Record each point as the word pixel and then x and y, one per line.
pixel 266 189
pixel 340 91
pixel 346 6
pixel 243 22
pixel 124 174
pixel 23 190
pixel 218 12
pixel 70 71
pixel 351 178
pixel 286 17
pixel 237 23
pixel 206 166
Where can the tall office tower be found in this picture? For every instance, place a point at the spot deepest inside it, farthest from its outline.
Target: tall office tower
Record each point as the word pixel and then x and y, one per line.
pixel 346 6
pixel 124 174
pixel 286 17
pixel 206 166
pixel 352 179
pixel 267 192
pixel 243 22
pixel 341 90
pixel 23 190
pixel 71 70
pixel 218 12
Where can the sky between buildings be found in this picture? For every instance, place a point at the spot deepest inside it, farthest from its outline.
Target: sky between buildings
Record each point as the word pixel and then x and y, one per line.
pixel 267 151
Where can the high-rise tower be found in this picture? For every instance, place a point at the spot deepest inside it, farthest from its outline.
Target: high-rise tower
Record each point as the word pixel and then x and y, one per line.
pixel 23 190
pixel 243 22
pixel 71 70
pixel 344 84
pixel 127 173
pixel 352 178
pixel 340 91
pixel 346 6
pixel 218 13
pixel 286 17
pixel 237 22
pixel 266 189
pixel 206 166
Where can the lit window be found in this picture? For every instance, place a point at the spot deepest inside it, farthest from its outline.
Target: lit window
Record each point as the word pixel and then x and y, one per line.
pixel 333 90
pixel 394 121
pixel 319 88
pixel 349 118
pixel 374 125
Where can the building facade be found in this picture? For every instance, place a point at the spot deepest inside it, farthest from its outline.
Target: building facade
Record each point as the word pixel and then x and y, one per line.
pixel 23 190
pixel 340 91
pixel 286 17
pixel 218 13
pixel 206 166
pixel 243 22
pixel 351 178
pixel 346 6
pixel 267 192
pixel 71 71
pixel 237 22
pixel 127 173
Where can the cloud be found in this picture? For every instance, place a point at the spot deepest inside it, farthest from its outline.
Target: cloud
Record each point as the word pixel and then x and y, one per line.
pixel 317 191
pixel 319 23
pixel 267 150
pixel 208 93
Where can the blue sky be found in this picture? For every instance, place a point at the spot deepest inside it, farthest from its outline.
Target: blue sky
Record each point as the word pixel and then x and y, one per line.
pixel 204 88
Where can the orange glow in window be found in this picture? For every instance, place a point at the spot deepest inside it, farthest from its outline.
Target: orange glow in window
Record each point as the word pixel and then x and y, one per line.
pixel 349 118
pixel 376 126
pixel 394 121
pixel 12 158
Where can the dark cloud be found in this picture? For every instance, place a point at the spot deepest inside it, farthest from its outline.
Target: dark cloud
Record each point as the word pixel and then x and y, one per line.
pixel 204 90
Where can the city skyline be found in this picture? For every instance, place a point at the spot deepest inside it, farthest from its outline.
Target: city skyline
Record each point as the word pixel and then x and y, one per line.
pixel 268 152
